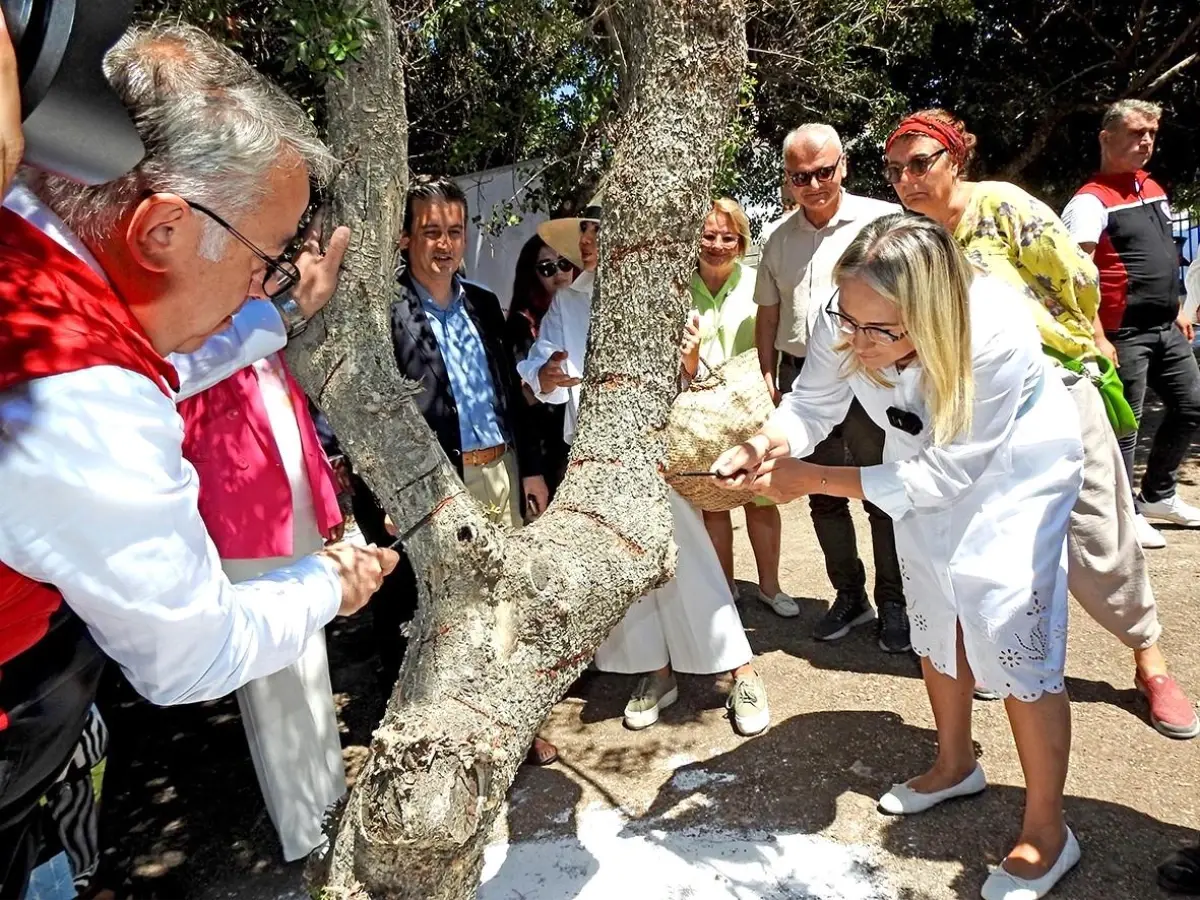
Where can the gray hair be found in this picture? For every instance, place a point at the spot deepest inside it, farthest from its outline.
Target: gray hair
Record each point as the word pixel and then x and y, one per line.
pixel 812 131
pixel 214 129
pixel 1116 112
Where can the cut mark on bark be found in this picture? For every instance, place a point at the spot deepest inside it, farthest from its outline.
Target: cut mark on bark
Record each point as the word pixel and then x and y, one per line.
pixel 428 517
pixel 563 664
pixel 633 547
pixel 611 381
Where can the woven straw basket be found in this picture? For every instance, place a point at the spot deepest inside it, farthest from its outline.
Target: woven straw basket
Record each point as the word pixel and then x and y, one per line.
pixel 714 414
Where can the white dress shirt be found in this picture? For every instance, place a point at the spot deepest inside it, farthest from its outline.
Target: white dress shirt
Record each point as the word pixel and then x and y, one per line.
pixel 97 499
pixel 564 327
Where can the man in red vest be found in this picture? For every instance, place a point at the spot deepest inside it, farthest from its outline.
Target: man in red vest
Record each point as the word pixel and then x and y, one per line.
pixel 102 549
pixel 1121 216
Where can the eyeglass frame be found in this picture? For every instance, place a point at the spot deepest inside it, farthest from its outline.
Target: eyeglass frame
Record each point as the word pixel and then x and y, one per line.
pixel 562 264
pixel 286 272
pixel 802 178
pixel 850 328
pixel 925 161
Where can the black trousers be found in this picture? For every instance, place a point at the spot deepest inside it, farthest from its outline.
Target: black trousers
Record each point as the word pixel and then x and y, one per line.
pixel 396 601
pixel 46 693
pixel 858 441
pixel 1160 359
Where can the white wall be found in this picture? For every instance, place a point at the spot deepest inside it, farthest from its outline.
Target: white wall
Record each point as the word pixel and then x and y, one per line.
pixel 491 259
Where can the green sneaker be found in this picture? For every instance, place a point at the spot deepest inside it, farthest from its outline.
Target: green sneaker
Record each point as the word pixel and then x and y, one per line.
pixel 653 694
pixel 747 705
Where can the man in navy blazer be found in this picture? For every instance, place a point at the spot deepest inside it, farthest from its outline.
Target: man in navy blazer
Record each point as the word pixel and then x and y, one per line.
pixel 448 335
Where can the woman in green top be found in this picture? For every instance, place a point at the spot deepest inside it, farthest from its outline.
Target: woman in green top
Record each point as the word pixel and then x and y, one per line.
pixel 723 320
pixel 1013 236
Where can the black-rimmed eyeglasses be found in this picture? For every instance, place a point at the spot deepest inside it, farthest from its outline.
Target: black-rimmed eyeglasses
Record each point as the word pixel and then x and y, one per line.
pixel 847 326
pixel 281 274
pixel 801 178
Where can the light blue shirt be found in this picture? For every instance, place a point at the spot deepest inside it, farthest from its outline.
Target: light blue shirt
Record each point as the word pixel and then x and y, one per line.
pixel 467 367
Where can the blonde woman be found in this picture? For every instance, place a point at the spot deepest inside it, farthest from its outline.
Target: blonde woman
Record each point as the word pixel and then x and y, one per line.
pixel 981 468
pixel 724 314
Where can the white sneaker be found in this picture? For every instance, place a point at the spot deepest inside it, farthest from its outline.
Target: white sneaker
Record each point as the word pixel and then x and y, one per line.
pixel 781 604
pixel 1148 536
pixel 1172 510
pixel 1003 885
pixel 652 695
pixel 902 800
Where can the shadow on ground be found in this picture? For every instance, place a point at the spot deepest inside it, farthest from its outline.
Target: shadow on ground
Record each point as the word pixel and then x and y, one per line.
pixel 791 779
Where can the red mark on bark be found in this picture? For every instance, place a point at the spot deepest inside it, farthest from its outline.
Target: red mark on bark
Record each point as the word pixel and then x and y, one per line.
pixel 635 549
pixel 562 665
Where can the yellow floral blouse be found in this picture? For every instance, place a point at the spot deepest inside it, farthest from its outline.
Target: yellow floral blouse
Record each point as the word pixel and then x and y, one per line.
pixel 1014 236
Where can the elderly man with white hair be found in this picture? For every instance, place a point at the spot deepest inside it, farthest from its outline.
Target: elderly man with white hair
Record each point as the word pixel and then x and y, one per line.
pixel 102 548
pixel 795 284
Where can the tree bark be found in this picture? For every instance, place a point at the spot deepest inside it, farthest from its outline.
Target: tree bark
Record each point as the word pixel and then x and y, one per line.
pixel 508 620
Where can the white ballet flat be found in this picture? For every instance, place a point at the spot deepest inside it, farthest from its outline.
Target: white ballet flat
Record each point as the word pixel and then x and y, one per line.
pixel 902 800
pixel 1003 885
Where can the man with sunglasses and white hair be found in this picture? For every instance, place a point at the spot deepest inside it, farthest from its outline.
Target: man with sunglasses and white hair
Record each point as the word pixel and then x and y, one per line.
pixel 102 548
pixel 795 284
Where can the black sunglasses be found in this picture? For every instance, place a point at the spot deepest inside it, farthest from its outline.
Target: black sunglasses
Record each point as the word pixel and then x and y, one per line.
pixel 918 166
pixel 281 274
pixel 849 327
pixel 824 174
pixel 547 268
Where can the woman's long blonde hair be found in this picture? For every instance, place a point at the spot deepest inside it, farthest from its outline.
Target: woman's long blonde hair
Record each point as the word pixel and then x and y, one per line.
pixel 916 264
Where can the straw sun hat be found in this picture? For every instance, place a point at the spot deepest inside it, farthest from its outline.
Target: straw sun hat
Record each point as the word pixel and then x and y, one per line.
pixel 562 235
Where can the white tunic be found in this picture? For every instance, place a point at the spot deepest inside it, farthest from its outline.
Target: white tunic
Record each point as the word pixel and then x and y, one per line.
pixel 690 622
pixel 289 716
pixel 980 523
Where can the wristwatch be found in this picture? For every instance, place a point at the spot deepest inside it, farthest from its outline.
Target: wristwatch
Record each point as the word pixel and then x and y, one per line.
pixel 294 320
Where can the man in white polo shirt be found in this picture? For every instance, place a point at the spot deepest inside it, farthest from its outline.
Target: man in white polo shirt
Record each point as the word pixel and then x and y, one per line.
pixel 795 285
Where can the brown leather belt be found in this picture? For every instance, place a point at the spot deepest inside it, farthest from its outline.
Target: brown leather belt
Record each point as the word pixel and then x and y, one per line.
pixel 485 456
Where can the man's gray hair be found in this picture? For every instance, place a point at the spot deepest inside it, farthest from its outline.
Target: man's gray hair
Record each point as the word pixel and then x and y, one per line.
pixel 816 132
pixel 214 129
pixel 1116 112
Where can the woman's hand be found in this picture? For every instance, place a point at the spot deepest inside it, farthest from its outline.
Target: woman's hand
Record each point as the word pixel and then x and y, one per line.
pixel 738 466
pixel 786 479
pixel 689 349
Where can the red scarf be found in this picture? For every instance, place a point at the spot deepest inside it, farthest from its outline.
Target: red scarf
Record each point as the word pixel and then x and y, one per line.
pixel 944 134
pixel 56 316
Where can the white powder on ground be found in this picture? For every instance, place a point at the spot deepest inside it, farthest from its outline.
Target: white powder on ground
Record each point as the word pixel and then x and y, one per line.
pixel 610 858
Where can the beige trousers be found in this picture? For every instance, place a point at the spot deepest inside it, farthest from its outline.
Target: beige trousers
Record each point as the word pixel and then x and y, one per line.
pixel 1106 569
pixel 495 487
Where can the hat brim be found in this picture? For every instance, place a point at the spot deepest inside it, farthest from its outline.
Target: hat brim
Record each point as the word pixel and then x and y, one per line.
pixel 562 236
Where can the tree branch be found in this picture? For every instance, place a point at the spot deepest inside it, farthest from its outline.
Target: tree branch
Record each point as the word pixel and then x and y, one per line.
pixel 507 620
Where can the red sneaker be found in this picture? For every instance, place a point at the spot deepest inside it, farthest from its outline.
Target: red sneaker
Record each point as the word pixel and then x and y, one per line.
pixel 1171 712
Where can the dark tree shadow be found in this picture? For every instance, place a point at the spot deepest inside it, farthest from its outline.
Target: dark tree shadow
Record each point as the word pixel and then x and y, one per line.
pixel 181 811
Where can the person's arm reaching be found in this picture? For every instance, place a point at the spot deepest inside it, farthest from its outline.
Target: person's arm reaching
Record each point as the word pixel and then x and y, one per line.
pixel 99 502
pixel 257 331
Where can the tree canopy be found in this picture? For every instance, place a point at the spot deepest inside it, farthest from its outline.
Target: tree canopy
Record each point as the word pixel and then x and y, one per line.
pixel 495 83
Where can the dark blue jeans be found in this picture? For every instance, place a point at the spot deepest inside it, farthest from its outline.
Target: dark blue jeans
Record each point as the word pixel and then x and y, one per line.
pixel 1161 359
pixel 856 442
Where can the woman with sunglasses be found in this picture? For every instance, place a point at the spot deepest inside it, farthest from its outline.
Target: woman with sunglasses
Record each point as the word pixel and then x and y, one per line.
pixel 723 327
pixel 1011 235
pixel 541 273
pixel 981 469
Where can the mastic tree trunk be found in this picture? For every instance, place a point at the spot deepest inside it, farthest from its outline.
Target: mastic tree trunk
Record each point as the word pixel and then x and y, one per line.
pixel 508 620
